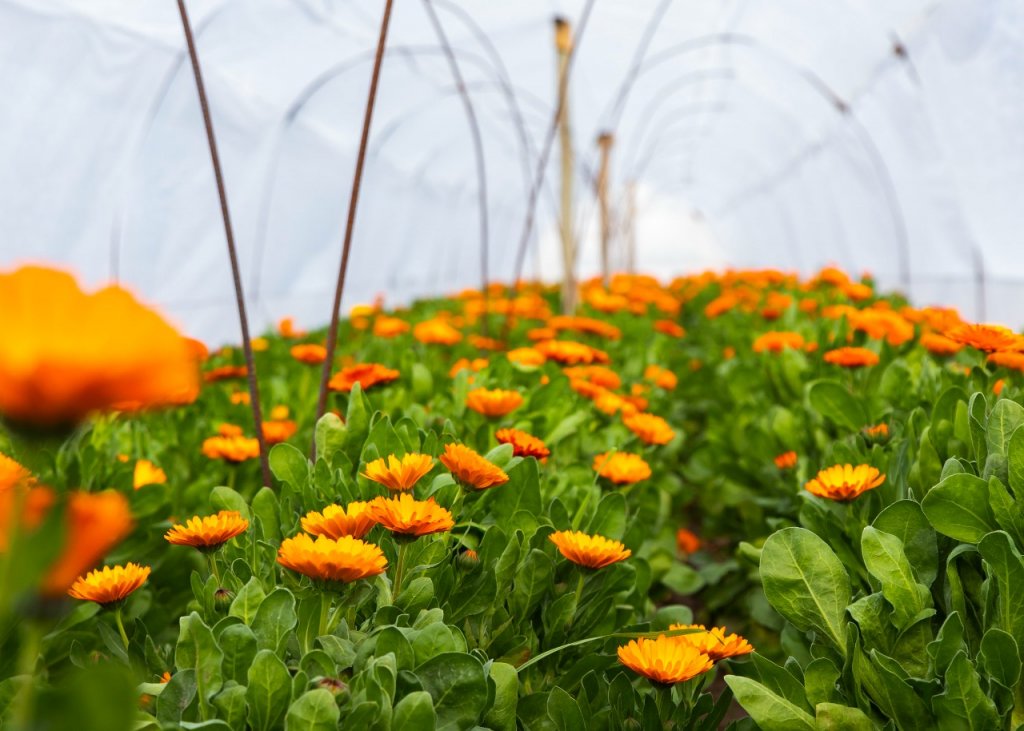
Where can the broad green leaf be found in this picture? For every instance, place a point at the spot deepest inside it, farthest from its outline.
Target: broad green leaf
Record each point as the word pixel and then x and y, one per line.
pixel 958 507
pixel 805 583
pixel 224 498
pixel 267 691
pixel 835 717
pixel 1006 416
pixel 905 520
pixel 1007 567
pixel 610 518
pixel 565 711
pixel 230 705
pixel 266 508
pixel 239 645
pixel 176 697
pixel 891 693
pixel 247 601
pixel 1000 657
pixel 501 716
pixel 769 711
pixel 1015 462
pixel 458 685
pixel 415 711
pixel 198 650
pixel 314 710
pixel 834 402
pixel 289 465
pixel 885 560
pixel 948 643
pixel 963 704
pixel 532 581
pixel 274 620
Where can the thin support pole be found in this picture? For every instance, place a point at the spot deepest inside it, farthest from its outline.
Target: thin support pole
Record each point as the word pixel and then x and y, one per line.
pixel 563 48
pixel 604 142
pixel 631 227
pixel 250 363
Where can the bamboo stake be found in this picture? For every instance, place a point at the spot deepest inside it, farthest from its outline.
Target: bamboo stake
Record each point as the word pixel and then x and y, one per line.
pixel 631 227
pixel 563 47
pixel 604 143
pixel 250 364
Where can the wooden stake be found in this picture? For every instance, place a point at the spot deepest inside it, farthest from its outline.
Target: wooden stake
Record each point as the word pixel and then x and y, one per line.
pixel 604 143
pixel 563 47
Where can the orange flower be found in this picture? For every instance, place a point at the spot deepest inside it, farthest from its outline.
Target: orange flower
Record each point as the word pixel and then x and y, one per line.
pixel 479 341
pixel 592 552
pixel 622 468
pixel 389 327
pixel 232 449
pixel 720 305
pixel 985 337
pixel 571 352
pixel 612 403
pixel 596 374
pixel 147 473
pixel 223 373
pixel 12 473
pixel 277 431
pixel 109 585
pixel 96 522
pixel 664 660
pixel 16 482
pixel 845 482
pixel 541 333
pixel 493 403
pixel 523 444
pixel 526 357
pixel 586 389
pixel 851 357
pixel 209 533
pixel 879 431
pixel 279 413
pixel 939 344
pixel 241 398
pixel 436 332
pixel 661 377
pixel 399 474
pixel 470 469
pixel 309 353
pixel 331 559
pixel 1007 360
pixel 585 325
pixel 65 353
pixel 365 374
pixel 336 521
pixel 405 515
pixel 286 328
pixel 667 327
pixel 650 428
pixel 475 365
pixel 687 541
pixel 786 461
pixel 259 344
pixel 776 342
pixel 714 642
pixel 998 386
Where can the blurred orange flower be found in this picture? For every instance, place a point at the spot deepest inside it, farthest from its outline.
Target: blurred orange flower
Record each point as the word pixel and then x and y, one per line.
pixel 365 374
pixel 523 444
pixel 714 642
pixel 776 342
pixel 596 374
pixel 1007 360
pixel 939 344
pixel 650 428
pixel 398 474
pixel 661 377
pixel 571 352
pixel 232 449
pixel 436 332
pixel 592 552
pixel 526 357
pixel 96 522
pixel 309 353
pixel 879 431
pixel 147 473
pixel 390 327
pixel 786 460
pixel 622 468
pixel 667 327
pixel 988 338
pixel 851 357
pixel 223 373
pixel 493 403
pixel 687 541
pixel 278 430
pixel 475 365
pixel 286 328
pixel 470 469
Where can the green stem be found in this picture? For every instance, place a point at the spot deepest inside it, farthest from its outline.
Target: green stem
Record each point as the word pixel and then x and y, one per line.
pixel 214 571
pixel 579 594
pixel 663 699
pixel 403 547
pixel 120 626
pixel 325 607
pixel 614 635
pixel 21 710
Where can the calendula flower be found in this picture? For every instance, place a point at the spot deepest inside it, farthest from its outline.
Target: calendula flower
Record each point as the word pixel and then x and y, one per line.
pixel 592 552
pixel 687 541
pixel 776 342
pixel 939 344
pixel 223 373
pixel 851 357
pixel 208 533
pixel 231 449
pixel 714 642
pixel 470 468
pixel 988 338
pixel 664 660
pixel 462 364
pixel 786 460
pixel 1011 360
pixel 650 428
pixel 526 357
pixel 365 374
pixel 279 413
pixel 523 444
pixel 341 559
pixel 65 353
pixel 110 584
pixel 661 377
pixel 479 341
pixel 493 403
pixel 309 353
pixel 436 332
pixel 845 482
pixel 147 473
pixel 405 515
pixel 587 325
pixel 277 431
pixel 570 352
pixel 19 487
pixel 998 386
pixel 389 327
pixel 96 522
pixel 622 468
pixel 879 431
pixel 240 398
pixel 12 473
pixel 595 374
pixel 398 474
pixel 667 327
pixel 611 403
pixel 336 521
pixel 286 328
pixel 259 345
pixel 541 333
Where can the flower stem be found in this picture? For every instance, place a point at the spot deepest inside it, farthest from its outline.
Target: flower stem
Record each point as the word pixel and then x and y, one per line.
pixel 214 571
pixel 579 593
pixel 21 707
pixel 403 547
pixel 325 608
pixel 120 626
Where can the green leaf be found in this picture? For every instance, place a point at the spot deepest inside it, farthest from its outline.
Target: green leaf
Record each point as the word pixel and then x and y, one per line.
pixel 948 643
pixel 769 711
pixel 610 518
pixel 357 423
pixel 834 717
pixel 422 382
pixel 501 716
pixel 247 601
pixel 1007 567
pixel 806 583
pixel 963 704
pixel 834 402
pixel 885 560
pixel 329 437
pixel 564 711
pixel 532 581
pixel 1015 462
pixel 415 711
pixel 958 507
pixel 314 710
pixel 566 427
pixel 274 620
pixel 289 465
pixel 521 492
pixel 268 691
pixel 458 685
pixel 1000 657
pixel 224 498
pixel 1006 416
pixel 239 646
pixel 198 650
pixel 891 693
pixel 230 705
pixel 905 520
pixel 266 508
pixel 177 695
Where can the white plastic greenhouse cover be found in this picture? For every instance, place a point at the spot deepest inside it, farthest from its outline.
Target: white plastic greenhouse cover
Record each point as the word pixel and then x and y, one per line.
pixel 879 135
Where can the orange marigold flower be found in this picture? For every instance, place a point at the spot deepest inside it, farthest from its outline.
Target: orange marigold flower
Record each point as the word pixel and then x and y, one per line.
pixel 259 344
pixel 342 559
pixel 231 449
pixel 777 341
pixel 664 660
pixel 110 584
pixel 720 305
pixel 622 468
pixel 989 338
pixel 365 374
pixel 667 327
pixel 405 515
pixel 728 352
pixel 436 332
pixel 845 482
pixel 240 398
pixel 12 473
pixel 470 468
pixel 229 430
pixel 309 353
pixel 612 403
pixel 571 352
pixel 65 353
pixel 596 374
pixel 198 349
pixel 586 389
pixel 661 377
pixel 336 521
pixel 523 444
pixel 526 357
pixel 17 482
pixel 714 642
pixel 585 325
pixel 808 305
pixel 279 413
pixel 879 431
pixel 398 474
pixel 147 473
pixel 390 327
pixel 998 386
pixel 687 541
pixel 277 431
pixel 851 357
pixel 208 533
pixel 479 341
pixel 592 552
pixel 286 328
pixel 786 460
pixel 476 365
pixel 650 428
pixel 96 522
pixel 493 403
pixel 1007 360
pixel 223 373
pixel 939 344
pixel 541 333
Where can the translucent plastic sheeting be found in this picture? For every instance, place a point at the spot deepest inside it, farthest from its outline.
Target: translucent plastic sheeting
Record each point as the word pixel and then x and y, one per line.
pixel 881 136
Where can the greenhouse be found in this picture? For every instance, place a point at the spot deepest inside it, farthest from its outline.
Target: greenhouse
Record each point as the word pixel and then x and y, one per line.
pixel 562 365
